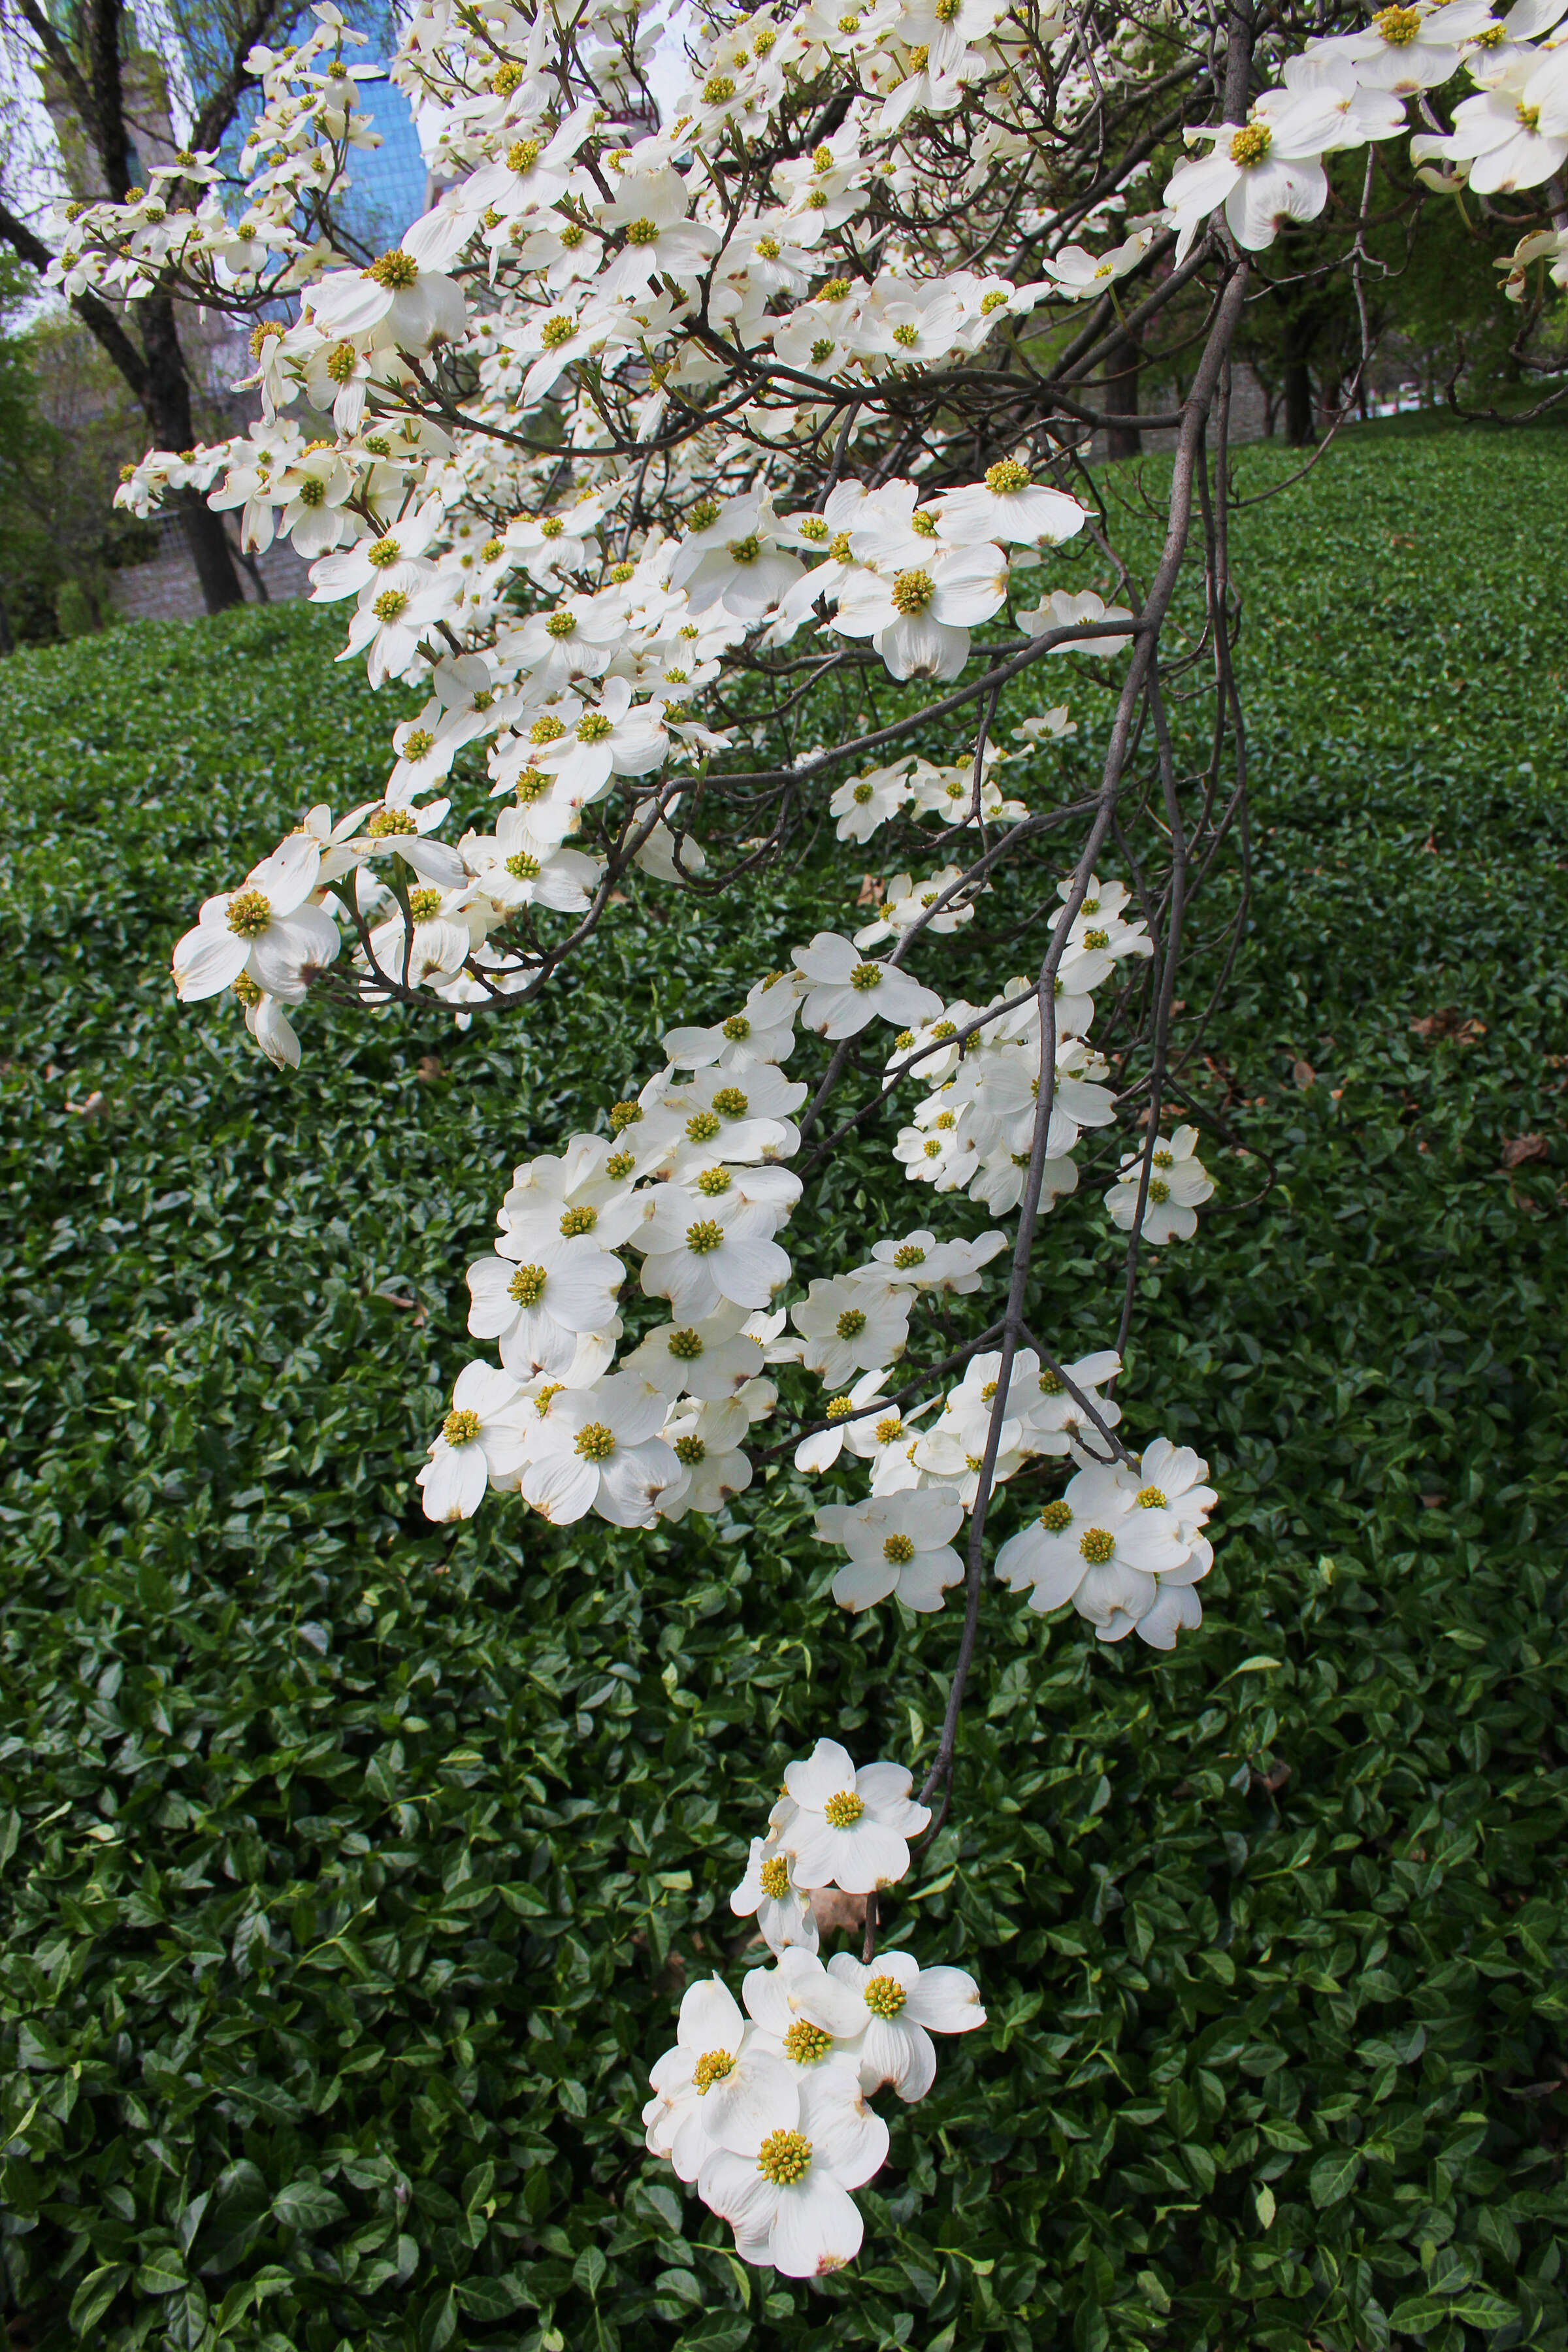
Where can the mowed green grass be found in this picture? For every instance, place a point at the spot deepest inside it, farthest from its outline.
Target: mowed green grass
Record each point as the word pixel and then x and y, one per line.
pixel 352 1871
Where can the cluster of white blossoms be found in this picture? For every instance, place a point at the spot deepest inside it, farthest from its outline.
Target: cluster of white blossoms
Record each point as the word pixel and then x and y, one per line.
pixel 762 2102
pixel 659 445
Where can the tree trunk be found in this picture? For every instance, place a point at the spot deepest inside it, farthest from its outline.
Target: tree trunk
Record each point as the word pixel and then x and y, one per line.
pixel 1122 368
pixel 1298 430
pixel 167 401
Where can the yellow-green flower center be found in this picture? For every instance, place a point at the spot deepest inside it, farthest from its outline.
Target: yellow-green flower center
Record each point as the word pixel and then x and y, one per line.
pixel 1398 27
pixel 883 1996
pixel 424 904
pixel 522 868
pixel 889 1427
pixel 592 727
pixel 691 1451
pixel 717 89
pixel 713 1181
pixel 1252 141
pixel 1097 1544
pixel 396 271
pixel 389 605
pixel 623 1114
pixel 912 591
pixel 908 1254
pixel 851 1323
pixel 1057 1517
pixel 523 155
pixel 730 1102
pixel 596 1443
pixel 580 1220
pixel 561 625
pixel 702 1127
pixel 705 1235
pixel 1052 1384
pixel 898 1550
pixel 249 913
pixel 805 2043
pixel 865 976
pixel 547 728
pixel 642 232
pixel 773 1877
pixel 527 1286
pixel 460 1428
pixel 784 2158
pixel 712 2067
pixel 685 1346
pixel 389 821
pixel 1008 476
pixel 1159 1191
pixel 844 1809
pixel 838 1409
pixel 1151 1498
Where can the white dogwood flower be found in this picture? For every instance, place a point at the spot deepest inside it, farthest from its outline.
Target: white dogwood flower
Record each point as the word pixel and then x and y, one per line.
pixel 599 1449
pixel 482 1438
pixel 536 1306
pixel 768 1893
pixel 845 1826
pixel 268 930
pixel 848 990
pixel 900 2006
pixel 790 2206
pixel 899 1546
pixel 1178 1181
pixel 850 1327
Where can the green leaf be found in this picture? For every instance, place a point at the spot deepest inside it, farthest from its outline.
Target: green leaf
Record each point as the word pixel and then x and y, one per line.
pixel 1333 2176
pixel 306 2205
pixel 437 2322
pixel 589 2271
pixel 163 2270
pixel 723 2331
pixel 1476 2306
pixel 96 2292
pixel 234 2220
pixel 490 2298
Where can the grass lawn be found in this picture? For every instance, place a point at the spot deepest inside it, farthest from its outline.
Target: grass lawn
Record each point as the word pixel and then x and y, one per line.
pixel 349 1871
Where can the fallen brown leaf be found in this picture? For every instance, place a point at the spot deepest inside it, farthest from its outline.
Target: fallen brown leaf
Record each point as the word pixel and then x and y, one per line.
pixel 1447 1024
pixel 1304 1073
pixel 93 1107
pixel 1524 1147
pixel 870 891
pixel 429 1068
pixel 1433 1502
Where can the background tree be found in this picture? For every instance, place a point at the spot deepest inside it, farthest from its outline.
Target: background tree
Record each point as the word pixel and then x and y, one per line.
pixel 111 105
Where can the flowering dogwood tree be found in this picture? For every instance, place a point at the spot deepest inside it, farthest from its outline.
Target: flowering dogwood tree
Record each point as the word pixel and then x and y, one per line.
pixel 709 473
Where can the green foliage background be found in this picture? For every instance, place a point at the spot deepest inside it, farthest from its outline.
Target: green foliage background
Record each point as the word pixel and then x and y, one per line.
pixel 351 1870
